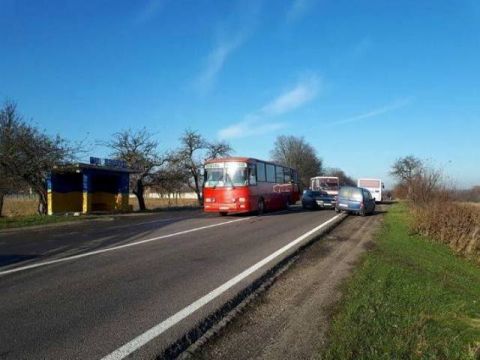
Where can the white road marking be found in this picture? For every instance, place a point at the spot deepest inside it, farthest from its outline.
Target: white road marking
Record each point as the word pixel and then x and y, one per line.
pixel 79 256
pixel 158 329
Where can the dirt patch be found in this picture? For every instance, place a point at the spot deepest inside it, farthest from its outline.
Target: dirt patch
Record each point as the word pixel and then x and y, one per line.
pixel 290 320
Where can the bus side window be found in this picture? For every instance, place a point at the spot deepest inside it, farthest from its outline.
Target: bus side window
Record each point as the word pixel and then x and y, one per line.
pixel 261 176
pixel 252 174
pixel 270 173
pixel 288 175
pixel 279 178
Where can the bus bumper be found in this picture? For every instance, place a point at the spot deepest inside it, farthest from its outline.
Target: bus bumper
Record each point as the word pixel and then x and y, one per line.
pixel 233 208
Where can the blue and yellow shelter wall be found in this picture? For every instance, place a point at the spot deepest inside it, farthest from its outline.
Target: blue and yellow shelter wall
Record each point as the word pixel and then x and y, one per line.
pixel 88 190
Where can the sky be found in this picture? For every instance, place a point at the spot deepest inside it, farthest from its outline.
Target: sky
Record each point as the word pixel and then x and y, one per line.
pixel 364 82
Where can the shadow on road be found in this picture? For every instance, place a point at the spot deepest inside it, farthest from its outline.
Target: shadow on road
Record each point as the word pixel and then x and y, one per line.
pixel 292 209
pixel 78 239
pixel 10 259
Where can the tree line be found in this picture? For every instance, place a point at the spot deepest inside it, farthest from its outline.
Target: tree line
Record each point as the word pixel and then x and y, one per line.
pixel 28 154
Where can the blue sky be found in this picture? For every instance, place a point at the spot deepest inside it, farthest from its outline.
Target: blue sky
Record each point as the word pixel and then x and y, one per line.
pixel 364 82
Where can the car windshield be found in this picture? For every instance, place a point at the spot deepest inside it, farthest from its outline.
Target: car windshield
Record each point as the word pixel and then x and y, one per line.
pixel 318 193
pixel 225 174
pixel 351 193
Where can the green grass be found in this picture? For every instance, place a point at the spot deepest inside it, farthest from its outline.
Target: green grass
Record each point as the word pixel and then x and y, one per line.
pixel 31 220
pixel 410 299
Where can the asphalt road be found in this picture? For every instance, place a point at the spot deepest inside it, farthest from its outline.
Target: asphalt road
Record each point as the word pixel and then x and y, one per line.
pixel 290 320
pixel 88 306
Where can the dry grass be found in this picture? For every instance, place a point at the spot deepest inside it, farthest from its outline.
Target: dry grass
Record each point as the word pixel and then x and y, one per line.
pixel 153 204
pixel 454 224
pixel 14 207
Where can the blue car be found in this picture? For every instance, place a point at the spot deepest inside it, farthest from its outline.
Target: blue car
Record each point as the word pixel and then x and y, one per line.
pixel 355 200
pixel 317 200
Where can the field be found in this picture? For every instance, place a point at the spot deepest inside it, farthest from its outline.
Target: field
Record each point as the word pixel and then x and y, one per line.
pixel 411 298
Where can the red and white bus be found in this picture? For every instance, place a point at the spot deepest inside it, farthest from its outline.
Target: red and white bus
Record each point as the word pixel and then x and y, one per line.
pixel 239 185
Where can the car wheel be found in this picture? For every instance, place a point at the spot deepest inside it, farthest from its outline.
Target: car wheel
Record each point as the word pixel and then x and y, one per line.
pixel 362 212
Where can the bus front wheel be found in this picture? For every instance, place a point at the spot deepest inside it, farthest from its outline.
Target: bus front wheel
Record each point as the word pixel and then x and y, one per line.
pixel 260 207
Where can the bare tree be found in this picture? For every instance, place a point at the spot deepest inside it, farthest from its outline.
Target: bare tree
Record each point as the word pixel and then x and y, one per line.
pixel 194 150
pixel 218 149
pixel 27 155
pixel 295 152
pixel 170 179
pixel 406 170
pixel 423 183
pixel 140 152
pixel 427 186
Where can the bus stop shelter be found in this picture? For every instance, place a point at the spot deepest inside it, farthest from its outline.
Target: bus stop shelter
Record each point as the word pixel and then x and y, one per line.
pixel 86 188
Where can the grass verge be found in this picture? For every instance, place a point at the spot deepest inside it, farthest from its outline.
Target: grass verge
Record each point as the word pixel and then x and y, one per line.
pixel 411 298
pixel 32 220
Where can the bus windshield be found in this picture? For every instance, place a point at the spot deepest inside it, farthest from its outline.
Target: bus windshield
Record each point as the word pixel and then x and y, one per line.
pixel 329 184
pixel 229 174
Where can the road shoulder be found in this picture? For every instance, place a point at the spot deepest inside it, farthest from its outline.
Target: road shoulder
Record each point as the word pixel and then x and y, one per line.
pixel 290 320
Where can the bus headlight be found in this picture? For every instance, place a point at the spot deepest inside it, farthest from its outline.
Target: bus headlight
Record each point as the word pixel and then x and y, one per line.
pixel 241 199
pixel 209 200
